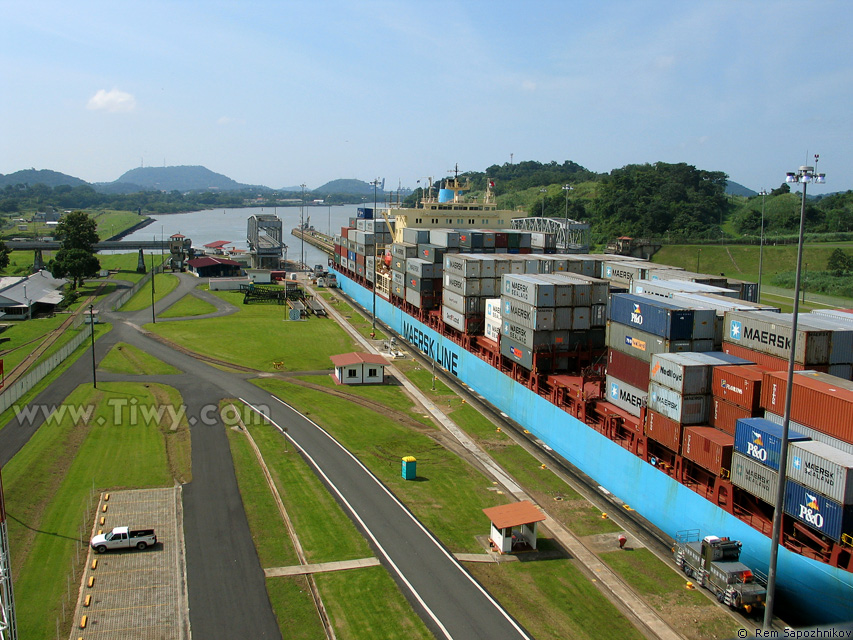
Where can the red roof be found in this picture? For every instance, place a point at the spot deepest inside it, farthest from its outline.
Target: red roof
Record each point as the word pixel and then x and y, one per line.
pixel 217 245
pixel 346 359
pixel 209 261
pixel 514 515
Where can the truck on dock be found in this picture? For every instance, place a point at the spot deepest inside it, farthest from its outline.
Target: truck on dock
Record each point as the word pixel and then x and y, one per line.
pixel 124 538
pixel 714 564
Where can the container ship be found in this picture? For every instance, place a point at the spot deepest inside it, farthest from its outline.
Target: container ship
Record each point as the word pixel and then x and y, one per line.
pixel 665 386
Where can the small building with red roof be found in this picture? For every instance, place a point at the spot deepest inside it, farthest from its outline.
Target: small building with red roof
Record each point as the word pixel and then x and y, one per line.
pixel 514 526
pixel 211 267
pixel 217 247
pixel 359 368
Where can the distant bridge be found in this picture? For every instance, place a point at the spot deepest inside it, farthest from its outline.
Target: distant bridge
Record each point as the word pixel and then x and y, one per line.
pixel 106 245
pixel 572 236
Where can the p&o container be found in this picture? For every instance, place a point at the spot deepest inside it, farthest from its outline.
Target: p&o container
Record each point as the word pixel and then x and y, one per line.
pixel 818 512
pixel 761 440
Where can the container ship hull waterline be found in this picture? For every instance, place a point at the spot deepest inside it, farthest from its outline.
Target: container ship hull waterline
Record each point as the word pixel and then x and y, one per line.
pixel 545 368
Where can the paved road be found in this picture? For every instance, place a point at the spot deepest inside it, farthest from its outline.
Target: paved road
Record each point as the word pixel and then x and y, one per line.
pixel 227 593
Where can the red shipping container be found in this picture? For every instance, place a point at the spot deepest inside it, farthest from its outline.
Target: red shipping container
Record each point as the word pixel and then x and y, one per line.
pixel 724 415
pixel 661 429
pixel 767 362
pixel 740 385
pixel 628 368
pixel 710 448
pixel 359 259
pixel 500 239
pixel 815 402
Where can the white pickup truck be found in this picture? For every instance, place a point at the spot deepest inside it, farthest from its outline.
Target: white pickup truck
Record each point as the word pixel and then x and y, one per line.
pixel 124 538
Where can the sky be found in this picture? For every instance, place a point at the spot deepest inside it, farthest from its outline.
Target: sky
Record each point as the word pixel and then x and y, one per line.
pixel 286 92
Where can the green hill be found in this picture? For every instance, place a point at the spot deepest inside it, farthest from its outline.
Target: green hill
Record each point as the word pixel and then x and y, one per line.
pixel 347 186
pixel 183 178
pixel 40 176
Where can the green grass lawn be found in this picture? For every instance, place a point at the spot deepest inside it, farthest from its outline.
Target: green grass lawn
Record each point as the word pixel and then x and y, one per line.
pixel 49 484
pixel 24 337
pixel 257 336
pixel 164 284
pixel 21 262
pixel 111 223
pixel 362 324
pixel 125 358
pixel 294 608
pixel 188 306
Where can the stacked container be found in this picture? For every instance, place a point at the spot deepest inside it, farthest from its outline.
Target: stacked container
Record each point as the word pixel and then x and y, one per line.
pixel 469 279
pixel 735 394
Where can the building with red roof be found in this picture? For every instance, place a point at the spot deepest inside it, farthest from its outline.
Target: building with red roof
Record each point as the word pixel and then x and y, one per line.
pixel 212 267
pixel 359 368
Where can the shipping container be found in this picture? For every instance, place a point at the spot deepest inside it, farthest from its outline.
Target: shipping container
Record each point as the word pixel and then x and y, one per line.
pixel 398 278
pixel 709 448
pixel 761 440
pixel 686 409
pixel 517 352
pixel 492 329
pixel 581 318
pixel 415 236
pixel 652 315
pixel 624 271
pixel 681 372
pixel 421 268
pixel 528 289
pixel 421 285
pixel 444 238
pixel 493 308
pixel 739 385
pixel 624 367
pixel 472 240
pixel 724 415
pixel 527 315
pixel 466 305
pixel 421 300
pixel 365 212
pixel 490 287
pixel 667 288
pixel 535 340
pixel 598 315
pixel 641 344
pixel 841 339
pixel 460 285
pixel 768 333
pixel 754 478
pixel 431 253
pixel 811 432
pixel 765 361
pixel 818 400
pixel 663 430
pixel 462 265
pixel 625 396
pixel 404 251
pixel 819 466
pixel 466 324
pixel 818 512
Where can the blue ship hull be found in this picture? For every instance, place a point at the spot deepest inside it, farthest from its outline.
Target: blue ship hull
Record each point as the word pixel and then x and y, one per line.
pixel 813 591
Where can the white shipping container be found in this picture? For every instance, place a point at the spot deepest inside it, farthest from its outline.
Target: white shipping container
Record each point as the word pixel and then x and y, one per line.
pixel 460 285
pixel 466 305
pixel 755 478
pixel 492 329
pixel 461 264
pixel 687 409
pixel 819 466
pixel 493 308
pixel 529 289
pixel 526 315
pixel 681 373
pixel 625 396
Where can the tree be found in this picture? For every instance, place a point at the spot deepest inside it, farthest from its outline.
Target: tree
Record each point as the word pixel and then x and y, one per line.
pixel 839 262
pixel 4 255
pixel 76 259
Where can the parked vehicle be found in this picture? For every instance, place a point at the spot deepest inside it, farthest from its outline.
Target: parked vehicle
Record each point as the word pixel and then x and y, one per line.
pixel 713 563
pixel 124 538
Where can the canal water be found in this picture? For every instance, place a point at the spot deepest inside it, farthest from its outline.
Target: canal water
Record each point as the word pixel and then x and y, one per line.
pixel 204 227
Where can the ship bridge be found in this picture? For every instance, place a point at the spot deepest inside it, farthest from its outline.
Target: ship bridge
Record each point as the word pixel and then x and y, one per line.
pixel 572 236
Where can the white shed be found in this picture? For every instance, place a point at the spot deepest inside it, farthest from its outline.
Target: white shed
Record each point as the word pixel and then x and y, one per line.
pixel 359 368
pixel 514 526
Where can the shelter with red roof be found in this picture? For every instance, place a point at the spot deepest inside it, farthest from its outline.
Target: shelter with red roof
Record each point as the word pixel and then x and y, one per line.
pixel 359 368
pixel 218 246
pixel 514 526
pixel 210 267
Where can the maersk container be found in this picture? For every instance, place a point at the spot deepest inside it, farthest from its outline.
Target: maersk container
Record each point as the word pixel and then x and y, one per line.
pixel 724 415
pixel 528 289
pixel 765 361
pixel 740 385
pixel 818 400
pixel 663 430
pixel 563 291
pixel 625 396
pixel 841 338
pixel 599 290
pixel 535 340
pixel 465 324
pixel 754 478
pixel 578 292
pixel 681 373
pixel 625 272
pixel 814 434
pixel 624 367
pixel 493 308
pixel 820 513
pixel 487 264
pixel 819 466
pixel 460 285
pixel 517 352
pixel 415 236
pixel 562 318
pixel 686 409
pixel 492 329
pixel 420 268
pixel 708 448
pixel 761 440
pixel 526 315
pixel 444 238
pixel 462 265
pixel 398 278
pixel 640 344
pixel 404 250
pixel 466 305
pixel 768 333
pixel 421 285
pixel 490 287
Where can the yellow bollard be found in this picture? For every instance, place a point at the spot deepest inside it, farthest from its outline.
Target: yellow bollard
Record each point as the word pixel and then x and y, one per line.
pixel 83 621
pixel 106 497
pixel 94 564
pixel 88 600
pixel 104 509
pixel 498 430
pixel 91 581
pixel 604 516
pixel 103 518
pixel 689 585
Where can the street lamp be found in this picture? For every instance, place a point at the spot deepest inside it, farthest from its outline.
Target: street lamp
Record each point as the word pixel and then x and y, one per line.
pixel 302 230
pixel 543 191
pixel 763 194
pixel 375 184
pixel 567 188
pixel 698 256
pixel 92 324
pixel 802 176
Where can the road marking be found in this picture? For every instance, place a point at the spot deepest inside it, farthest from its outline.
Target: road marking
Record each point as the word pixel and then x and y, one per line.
pixel 382 487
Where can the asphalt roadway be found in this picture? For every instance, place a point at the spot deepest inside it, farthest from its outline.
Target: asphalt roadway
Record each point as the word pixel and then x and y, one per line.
pixel 226 584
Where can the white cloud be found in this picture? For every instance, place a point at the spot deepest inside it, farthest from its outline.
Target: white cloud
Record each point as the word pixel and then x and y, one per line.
pixel 114 101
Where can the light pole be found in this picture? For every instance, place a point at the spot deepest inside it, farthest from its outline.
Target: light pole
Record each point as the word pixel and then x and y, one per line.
pixel 698 256
pixel 153 273
pixel 567 188
pixel 375 184
pixel 543 191
pixel 803 176
pixel 92 323
pixel 302 230
pixel 330 219
pixel 763 194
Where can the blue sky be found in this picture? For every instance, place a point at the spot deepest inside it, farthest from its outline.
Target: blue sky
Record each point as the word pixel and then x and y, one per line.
pixel 280 93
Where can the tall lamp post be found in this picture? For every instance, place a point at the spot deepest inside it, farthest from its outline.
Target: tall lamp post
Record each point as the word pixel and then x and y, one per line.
pixel 763 194
pixel 803 176
pixel 567 188
pixel 543 192
pixel 92 324
pixel 375 184
pixel 302 230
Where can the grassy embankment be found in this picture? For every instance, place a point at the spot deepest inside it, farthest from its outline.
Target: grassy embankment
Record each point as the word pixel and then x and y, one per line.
pixel 50 488
pixel 110 223
pixel 164 284
pixel 188 306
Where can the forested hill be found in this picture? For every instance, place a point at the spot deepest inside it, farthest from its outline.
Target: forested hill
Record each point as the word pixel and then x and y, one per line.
pixel 39 176
pixel 184 178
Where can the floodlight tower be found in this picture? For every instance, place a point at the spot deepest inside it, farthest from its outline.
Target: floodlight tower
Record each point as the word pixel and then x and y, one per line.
pixel 8 622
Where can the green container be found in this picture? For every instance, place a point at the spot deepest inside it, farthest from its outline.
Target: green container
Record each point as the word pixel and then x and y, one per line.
pixel 410 468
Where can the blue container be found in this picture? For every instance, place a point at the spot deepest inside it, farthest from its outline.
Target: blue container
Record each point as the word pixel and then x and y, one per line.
pixel 818 512
pixel 365 212
pixel 761 440
pixel 410 465
pixel 653 315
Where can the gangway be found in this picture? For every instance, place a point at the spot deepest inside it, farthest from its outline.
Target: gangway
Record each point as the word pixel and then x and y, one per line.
pixel 316 307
